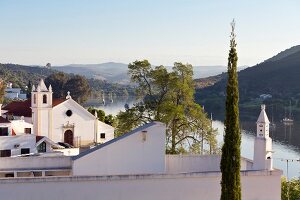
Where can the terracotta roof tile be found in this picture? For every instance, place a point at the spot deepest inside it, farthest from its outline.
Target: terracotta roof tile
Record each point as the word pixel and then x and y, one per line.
pixel 19 108
pixel 56 102
pixel 23 108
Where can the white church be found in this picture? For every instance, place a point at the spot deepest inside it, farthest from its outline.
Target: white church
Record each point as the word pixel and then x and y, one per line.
pixel 60 120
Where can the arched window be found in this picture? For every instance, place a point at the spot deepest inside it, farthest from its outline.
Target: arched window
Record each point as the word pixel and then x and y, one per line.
pixel 34 98
pixel 44 98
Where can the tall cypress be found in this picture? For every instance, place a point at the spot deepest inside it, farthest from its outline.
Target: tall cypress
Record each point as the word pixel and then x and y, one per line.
pixel 230 161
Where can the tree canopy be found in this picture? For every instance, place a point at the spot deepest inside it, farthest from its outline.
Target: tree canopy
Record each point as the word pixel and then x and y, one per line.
pixel 76 84
pixel 107 119
pixel 168 97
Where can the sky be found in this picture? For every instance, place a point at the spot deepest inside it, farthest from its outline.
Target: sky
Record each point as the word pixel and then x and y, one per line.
pixel 35 32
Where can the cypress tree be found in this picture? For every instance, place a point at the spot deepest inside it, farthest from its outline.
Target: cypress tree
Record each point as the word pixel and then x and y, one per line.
pixel 230 161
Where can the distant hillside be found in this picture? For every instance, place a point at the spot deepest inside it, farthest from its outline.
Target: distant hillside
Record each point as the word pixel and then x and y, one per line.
pixel 111 72
pixel 117 72
pixel 278 76
pixel 19 75
pixel 285 53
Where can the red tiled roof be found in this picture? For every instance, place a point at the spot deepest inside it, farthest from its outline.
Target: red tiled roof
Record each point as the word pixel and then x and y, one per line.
pixel 19 108
pixel 22 108
pixel 56 102
pixel 3 120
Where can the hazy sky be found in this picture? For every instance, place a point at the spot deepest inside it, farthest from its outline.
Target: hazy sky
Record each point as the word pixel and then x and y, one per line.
pixel 162 31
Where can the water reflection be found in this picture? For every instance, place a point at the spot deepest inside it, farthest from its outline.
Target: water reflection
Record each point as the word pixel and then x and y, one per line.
pixel 111 105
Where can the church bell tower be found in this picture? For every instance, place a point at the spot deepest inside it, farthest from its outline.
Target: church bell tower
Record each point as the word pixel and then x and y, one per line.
pixel 263 143
pixel 41 105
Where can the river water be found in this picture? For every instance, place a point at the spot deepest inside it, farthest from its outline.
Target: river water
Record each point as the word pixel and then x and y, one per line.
pixel 286 139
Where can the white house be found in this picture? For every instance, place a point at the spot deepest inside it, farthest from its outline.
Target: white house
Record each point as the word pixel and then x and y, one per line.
pixel 14 93
pixel 14 127
pixel 26 144
pixel 60 120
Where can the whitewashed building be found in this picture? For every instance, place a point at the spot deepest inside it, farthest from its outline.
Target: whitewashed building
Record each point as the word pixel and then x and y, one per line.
pixel 60 120
pixel 26 145
pixel 134 166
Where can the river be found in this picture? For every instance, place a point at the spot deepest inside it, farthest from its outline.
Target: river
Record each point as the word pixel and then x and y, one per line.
pixel 286 139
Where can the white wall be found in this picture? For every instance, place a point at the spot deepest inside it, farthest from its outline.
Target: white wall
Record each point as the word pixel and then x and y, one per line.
pixel 68 151
pixel 107 129
pixel 198 163
pixel 20 125
pixel 262 150
pixel 34 162
pixel 24 141
pixel 84 122
pixel 193 186
pixel 129 155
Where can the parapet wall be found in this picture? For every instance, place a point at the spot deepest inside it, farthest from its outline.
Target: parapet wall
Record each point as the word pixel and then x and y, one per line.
pixel 259 185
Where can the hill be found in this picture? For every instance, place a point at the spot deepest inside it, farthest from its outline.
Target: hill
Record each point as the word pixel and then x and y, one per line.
pixel 285 53
pixel 117 72
pixel 278 76
pixel 111 72
pixel 19 75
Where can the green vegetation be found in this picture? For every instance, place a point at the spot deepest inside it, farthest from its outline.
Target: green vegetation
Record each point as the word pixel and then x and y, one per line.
pixel 278 76
pixel 168 97
pixel 290 189
pixel 21 76
pixel 230 161
pixel 2 91
pixel 62 83
pixel 107 119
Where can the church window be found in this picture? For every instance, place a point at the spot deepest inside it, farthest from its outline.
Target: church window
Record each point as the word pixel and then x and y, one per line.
pixel 69 113
pixel 42 147
pixel 45 98
pixel 102 135
pixel 34 98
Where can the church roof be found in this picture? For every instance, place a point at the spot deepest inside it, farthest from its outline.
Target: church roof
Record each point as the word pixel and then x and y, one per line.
pixel 56 102
pixel 23 108
pixel 263 118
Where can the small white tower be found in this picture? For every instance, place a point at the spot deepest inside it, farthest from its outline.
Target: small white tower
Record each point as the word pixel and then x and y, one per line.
pixel 41 105
pixel 263 143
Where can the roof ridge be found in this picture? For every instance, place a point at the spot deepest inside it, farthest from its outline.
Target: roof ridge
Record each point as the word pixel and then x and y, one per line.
pixel 114 140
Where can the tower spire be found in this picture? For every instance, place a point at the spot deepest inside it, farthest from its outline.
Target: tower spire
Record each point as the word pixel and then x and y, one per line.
pixel 263 143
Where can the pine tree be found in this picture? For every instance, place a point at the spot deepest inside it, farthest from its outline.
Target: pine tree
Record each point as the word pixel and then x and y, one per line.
pixel 230 162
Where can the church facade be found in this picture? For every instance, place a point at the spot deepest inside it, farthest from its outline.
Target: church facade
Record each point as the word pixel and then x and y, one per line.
pixel 61 120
